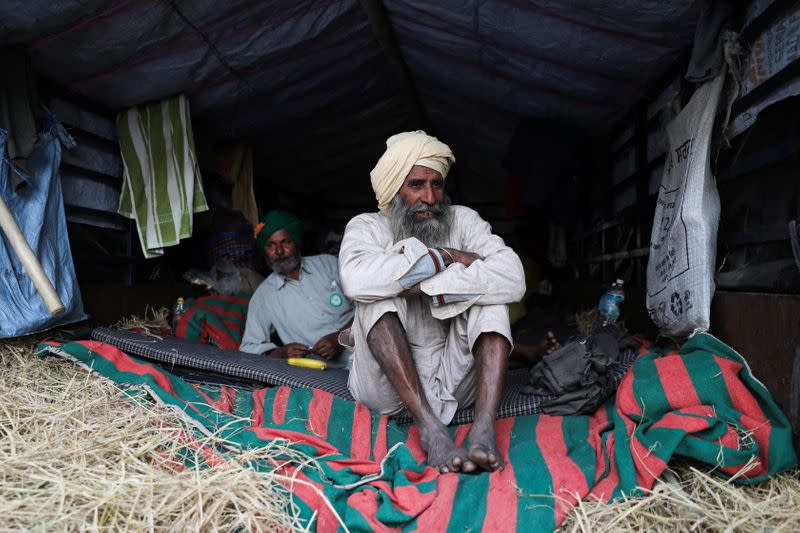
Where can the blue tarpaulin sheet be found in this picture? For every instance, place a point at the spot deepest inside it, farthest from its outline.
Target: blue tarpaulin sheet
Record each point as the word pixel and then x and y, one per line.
pixel 38 207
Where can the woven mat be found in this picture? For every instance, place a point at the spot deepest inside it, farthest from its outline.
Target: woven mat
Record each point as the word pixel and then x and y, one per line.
pixel 173 353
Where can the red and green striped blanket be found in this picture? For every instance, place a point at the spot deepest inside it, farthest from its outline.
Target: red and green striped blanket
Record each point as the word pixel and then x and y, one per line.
pixel 217 320
pixel 702 403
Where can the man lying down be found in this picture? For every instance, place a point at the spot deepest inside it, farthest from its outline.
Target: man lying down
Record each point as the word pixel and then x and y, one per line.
pixel 431 285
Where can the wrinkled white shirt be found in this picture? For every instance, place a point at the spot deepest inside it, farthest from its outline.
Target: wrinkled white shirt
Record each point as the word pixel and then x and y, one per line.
pixel 372 265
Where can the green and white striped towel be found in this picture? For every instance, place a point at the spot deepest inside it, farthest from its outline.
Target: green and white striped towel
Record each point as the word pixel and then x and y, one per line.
pixel 161 187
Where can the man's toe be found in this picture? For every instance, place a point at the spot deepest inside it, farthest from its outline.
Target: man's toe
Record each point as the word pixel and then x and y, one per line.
pixel 495 463
pixel 477 455
pixel 468 466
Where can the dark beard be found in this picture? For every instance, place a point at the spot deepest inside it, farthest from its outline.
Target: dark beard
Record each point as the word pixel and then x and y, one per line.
pixel 431 231
pixel 284 265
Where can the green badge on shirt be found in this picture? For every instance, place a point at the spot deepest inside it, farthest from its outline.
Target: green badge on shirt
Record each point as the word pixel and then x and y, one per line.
pixel 335 299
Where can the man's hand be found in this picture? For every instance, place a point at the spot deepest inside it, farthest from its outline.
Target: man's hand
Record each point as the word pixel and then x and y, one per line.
pixel 414 290
pixel 452 255
pixel 293 349
pixel 328 346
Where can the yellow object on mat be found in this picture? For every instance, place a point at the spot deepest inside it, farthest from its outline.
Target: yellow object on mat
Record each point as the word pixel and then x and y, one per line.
pixel 306 362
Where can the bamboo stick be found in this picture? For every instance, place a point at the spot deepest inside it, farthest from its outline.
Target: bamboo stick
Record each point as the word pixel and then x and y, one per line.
pixel 29 261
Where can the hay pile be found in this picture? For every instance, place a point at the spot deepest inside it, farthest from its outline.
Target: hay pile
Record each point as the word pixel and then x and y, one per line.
pixel 692 500
pixel 154 319
pixel 78 453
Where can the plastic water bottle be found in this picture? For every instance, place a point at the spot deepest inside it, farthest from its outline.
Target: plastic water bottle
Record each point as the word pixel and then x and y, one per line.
pixel 177 312
pixel 608 307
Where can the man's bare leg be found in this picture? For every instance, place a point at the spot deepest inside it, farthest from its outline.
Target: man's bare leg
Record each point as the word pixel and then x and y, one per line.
pixel 491 357
pixel 389 345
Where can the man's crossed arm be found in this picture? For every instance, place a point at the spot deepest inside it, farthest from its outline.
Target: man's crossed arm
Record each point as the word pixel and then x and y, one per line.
pixel 429 265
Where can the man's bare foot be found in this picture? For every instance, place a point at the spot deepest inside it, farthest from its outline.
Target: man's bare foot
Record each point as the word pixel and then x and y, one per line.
pixel 482 447
pixel 546 346
pixel 443 454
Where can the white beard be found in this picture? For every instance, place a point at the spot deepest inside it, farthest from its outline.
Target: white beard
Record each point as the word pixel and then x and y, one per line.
pixel 430 231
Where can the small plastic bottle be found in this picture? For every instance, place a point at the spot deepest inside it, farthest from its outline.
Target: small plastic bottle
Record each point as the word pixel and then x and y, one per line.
pixel 177 312
pixel 608 308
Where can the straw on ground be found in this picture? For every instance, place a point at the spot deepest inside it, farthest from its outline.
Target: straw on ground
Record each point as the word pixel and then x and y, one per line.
pixel 78 453
pixel 692 500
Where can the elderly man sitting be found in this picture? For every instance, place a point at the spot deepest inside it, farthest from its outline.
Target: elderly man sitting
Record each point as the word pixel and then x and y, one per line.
pixel 301 299
pixel 431 285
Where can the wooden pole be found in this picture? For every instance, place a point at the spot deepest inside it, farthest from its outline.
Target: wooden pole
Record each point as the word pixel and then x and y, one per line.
pixel 29 261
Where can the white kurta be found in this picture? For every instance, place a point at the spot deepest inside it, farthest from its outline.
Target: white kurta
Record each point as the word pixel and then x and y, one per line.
pixel 441 337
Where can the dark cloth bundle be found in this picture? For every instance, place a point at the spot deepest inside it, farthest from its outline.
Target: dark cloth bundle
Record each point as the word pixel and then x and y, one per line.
pixel 580 375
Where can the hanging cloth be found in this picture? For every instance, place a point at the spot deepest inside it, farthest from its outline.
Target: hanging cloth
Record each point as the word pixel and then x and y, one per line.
pixel 235 165
pixel 18 105
pixel 161 185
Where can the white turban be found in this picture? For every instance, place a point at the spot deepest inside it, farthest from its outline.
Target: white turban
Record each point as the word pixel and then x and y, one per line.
pixel 403 151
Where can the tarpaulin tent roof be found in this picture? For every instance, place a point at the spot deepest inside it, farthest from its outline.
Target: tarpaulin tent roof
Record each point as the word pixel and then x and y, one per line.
pixel 319 85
